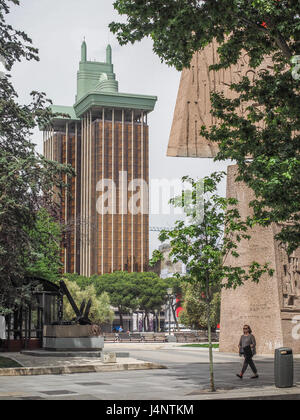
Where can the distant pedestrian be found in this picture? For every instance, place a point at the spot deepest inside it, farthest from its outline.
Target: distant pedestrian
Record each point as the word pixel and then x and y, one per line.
pixel 247 348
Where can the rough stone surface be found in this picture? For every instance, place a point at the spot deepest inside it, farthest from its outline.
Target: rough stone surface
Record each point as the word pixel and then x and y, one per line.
pixel 272 307
pixel 71 331
pixel 193 104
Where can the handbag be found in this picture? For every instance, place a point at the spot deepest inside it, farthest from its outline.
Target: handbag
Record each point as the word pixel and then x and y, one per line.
pixel 248 352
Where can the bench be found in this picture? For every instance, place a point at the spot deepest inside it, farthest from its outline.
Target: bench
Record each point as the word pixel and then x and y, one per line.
pixel 191 338
pixel 215 336
pixel 180 337
pixel 123 337
pixel 148 338
pixel 136 337
pixel 154 338
pixel 110 337
pixel 160 337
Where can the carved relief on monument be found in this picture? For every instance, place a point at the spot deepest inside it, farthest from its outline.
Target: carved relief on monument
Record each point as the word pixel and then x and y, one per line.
pixel 193 104
pixel 291 282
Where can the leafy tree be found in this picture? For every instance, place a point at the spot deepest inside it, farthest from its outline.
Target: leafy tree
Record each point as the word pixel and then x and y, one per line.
pixel 117 285
pixel 133 291
pixel 26 178
pixel 204 241
pixel 81 281
pixel 100 312
pixel 121 290
pixel 194 313
pixel 151 292
pixel 179 28
pixel 129 291
pixel 268 130
pixel 46 237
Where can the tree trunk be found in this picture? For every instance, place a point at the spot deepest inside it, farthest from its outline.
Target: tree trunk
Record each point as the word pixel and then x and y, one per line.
pixel 211 363
pixel 144 322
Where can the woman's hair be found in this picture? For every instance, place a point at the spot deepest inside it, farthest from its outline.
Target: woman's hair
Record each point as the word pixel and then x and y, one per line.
pixel 248 326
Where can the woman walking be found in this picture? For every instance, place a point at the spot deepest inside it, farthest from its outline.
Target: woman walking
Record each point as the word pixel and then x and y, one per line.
pixel 247 348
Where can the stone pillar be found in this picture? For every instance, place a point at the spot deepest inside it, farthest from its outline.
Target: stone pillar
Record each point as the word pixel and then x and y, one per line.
pixel 270 307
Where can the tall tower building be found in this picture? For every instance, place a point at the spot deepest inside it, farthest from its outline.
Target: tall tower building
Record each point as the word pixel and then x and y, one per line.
pixel 105 137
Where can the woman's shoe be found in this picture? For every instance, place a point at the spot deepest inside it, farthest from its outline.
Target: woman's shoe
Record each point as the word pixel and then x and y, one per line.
pixel 254 377
pixel 240 376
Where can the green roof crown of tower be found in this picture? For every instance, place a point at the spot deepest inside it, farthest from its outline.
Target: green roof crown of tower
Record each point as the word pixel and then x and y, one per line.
pixel 95 76
pixel 97 88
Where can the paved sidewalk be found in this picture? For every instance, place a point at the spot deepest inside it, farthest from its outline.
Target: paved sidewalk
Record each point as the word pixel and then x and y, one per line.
pixel 110 346
pixel 36 365
pixel 187 378
pixel 263 393
pixel 37 361
pixel 173 384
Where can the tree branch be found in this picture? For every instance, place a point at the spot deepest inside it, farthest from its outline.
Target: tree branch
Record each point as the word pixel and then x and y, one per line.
pixel 253 24
pixel 281 43
pixel 279 40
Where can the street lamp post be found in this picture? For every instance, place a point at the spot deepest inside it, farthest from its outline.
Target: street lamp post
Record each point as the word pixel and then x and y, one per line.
pixel 156 322
pixel 130 319
pixel 170 293
pixel 138 321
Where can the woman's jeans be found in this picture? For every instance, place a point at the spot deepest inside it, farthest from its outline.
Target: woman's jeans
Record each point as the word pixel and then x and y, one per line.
pixel 249 361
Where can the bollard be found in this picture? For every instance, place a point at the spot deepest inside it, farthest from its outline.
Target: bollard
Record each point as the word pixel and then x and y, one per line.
pixel 108 357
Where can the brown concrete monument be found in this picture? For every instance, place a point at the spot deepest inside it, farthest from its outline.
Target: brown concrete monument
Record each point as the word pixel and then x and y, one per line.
pixel 272 307
pixel 193 104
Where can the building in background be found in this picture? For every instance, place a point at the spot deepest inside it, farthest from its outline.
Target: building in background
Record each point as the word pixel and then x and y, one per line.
pixel 105 137
pixel 167 267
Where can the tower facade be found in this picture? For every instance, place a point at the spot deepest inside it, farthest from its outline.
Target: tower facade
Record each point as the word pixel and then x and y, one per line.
pixel 105 138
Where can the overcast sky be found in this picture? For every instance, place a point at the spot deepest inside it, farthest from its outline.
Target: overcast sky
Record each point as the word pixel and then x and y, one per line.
pixel 57 28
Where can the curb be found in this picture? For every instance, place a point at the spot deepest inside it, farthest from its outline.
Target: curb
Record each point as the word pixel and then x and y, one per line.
pixel 264 392
pixel 70 354
pixel 67 370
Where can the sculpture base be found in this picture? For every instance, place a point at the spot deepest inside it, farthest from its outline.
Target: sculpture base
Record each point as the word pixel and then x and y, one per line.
pixel 72 338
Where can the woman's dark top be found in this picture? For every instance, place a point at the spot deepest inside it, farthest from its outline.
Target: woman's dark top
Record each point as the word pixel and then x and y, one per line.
pixel 247 340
